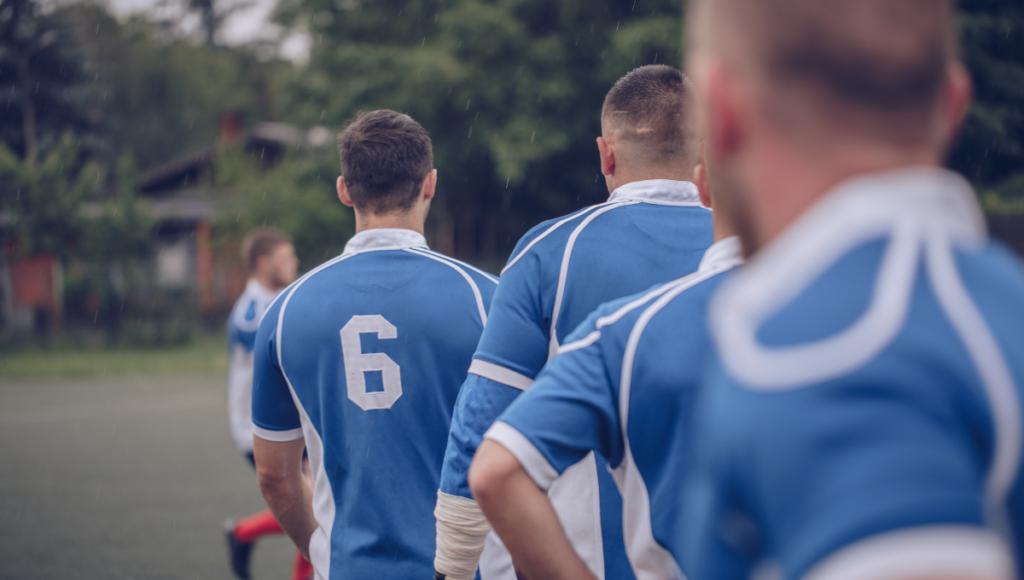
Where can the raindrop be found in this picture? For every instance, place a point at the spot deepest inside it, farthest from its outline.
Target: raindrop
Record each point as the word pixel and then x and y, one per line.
pixel 532 136
pixel 470 133
pixel 506 182
pixel 322 113
pixel 467 104
pixel 617 25
pixel 424 43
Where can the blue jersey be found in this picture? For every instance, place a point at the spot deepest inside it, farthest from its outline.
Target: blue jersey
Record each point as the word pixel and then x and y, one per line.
pixel 242 325
pixel 623 386
pixel 648 232
pixel 363 357
pixel 863 415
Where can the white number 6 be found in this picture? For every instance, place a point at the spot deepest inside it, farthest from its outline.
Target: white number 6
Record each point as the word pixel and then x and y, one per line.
pixel 357 363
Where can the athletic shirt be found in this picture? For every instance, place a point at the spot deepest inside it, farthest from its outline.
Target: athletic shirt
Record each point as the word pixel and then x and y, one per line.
pixel 648 232
pixel 363 357
pixel 862 417
pixel 623 386
pixel 242 325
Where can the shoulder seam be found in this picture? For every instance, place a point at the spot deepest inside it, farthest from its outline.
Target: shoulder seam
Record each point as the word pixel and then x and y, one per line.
pixel 551 229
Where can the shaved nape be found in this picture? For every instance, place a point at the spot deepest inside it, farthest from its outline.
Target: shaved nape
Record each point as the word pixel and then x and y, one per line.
pixel 651 116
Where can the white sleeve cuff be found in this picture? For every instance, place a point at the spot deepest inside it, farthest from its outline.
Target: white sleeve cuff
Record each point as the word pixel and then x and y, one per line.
pixel 535 464
pixel 277 436
pixel 947 551
pixel 500 374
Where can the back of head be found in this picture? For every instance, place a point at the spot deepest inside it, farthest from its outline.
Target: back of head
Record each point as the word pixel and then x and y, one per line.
pixel 870 67
pixel 259 243
pixel 651 116
pixel 385 157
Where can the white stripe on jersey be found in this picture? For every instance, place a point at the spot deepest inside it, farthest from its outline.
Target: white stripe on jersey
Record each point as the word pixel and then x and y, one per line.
pixel 534 241
pixel 500 374
pixel 467 277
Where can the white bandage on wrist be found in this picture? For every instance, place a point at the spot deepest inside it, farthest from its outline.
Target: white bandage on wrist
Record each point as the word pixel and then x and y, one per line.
pixel 461 534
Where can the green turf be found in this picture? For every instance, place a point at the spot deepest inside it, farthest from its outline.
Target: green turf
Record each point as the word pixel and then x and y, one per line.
pixel 205 355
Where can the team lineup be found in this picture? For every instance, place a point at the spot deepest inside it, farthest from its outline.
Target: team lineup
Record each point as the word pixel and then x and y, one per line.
pixel 784 347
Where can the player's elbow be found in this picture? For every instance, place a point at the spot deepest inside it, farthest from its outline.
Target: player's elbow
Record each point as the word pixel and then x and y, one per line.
pixel 492 469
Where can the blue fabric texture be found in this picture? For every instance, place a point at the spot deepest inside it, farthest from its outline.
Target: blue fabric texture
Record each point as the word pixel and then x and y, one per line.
pixel 382 453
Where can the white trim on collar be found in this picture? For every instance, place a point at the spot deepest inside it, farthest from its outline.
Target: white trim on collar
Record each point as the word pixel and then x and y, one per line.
pixel 726 252
pixel 658 191
pixel 384 239
pixel 254 287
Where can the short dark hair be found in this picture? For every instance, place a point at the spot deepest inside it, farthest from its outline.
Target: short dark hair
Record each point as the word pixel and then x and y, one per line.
pixel 654 107
pixel 385 156
pixel 261 242
pixel 884 60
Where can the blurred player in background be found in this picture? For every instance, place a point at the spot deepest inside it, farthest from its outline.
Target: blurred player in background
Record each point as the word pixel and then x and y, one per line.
pixel 623 386
pixel 863 417
pixel 361 361
pixel 269 258
pixel 652 229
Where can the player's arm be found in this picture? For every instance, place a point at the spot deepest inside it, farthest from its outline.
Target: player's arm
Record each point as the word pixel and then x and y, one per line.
pixel 289 494
pixel 523 516
pixel 278 438
pixel 569 411
pixel 513 348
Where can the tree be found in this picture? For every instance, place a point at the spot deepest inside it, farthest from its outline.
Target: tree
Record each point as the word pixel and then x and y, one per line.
pixel 510 92
pixel 990 150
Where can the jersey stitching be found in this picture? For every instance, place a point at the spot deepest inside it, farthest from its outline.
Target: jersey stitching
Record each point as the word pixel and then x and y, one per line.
pixel 564 270
pixel 554 227
pixel 467 277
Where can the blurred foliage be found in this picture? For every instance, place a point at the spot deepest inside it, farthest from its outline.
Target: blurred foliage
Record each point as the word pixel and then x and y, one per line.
pixel 990 151
pixel 510 91
pixel 296 196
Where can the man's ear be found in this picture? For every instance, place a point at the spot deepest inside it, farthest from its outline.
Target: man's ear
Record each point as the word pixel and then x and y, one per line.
pixel 700 179
pixel 607 151
pixel 723 115
pixel 429 185
pixel 343 194
pixel 956 102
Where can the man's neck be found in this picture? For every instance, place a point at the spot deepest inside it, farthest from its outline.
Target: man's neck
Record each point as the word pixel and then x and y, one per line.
pixel 267 282
pixel 618 179
pixel 784 184
pixel 406 221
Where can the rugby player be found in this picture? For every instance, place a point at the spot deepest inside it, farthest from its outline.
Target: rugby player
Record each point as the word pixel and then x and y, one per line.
pixel 863 416
pixel 652 229
pixel 622 386
pixel 360 361
pixel 269 257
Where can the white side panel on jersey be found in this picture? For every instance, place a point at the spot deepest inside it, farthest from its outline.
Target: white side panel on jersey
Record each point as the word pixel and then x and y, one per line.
pixel 563 272
pixel 240 397
pixel 952 551
pixel 575 494
pixel 496 562
pixel 995 375
pixel 323 496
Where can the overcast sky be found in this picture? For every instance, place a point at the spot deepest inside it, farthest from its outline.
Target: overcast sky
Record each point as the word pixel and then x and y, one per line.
pixel 244 25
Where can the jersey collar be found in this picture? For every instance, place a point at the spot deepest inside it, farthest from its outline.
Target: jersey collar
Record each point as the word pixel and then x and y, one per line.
pixel 384 239
pixel 725 253
pixel 254 288
pixel 658 191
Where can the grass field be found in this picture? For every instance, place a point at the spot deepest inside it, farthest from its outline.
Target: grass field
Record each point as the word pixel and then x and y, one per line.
pixel 205 355
pixel 119 465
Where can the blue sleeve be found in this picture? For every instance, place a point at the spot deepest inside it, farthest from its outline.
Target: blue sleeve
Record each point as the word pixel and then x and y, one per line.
pixel 480 402
pixel 572 407
pixel 799 474
pixel 243 326
pixel 515 339
pixel 516 336
pixel 273 408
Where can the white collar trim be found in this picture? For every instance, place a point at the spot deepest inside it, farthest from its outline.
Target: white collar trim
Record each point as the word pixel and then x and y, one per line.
pixel 725 253
pixel 261 291
pixel 658 191
pixel 384 239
